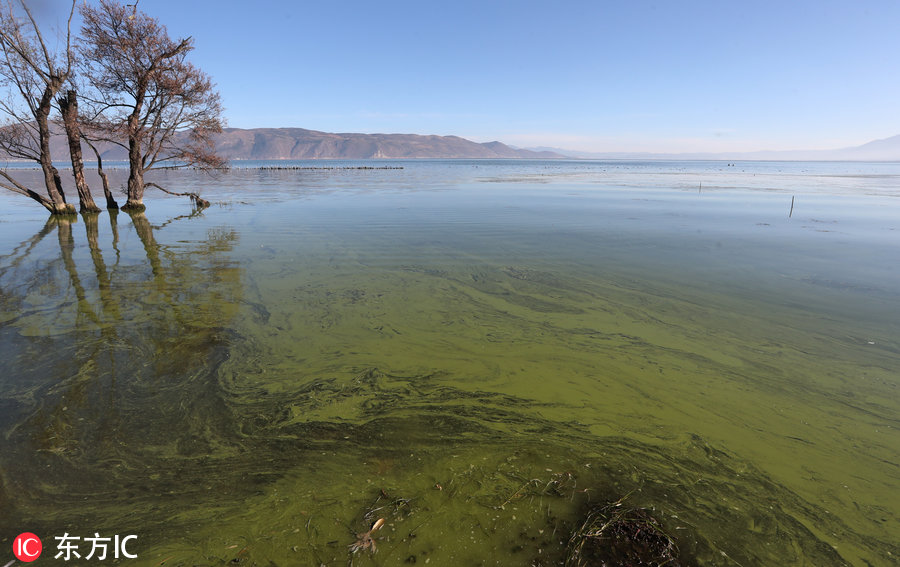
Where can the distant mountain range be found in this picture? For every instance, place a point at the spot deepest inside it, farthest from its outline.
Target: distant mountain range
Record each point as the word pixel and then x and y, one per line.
pixel 299 143
pixel 887 149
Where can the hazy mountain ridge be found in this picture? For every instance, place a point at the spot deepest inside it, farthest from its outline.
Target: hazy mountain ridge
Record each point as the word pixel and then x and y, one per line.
pixel 886 149
pixel 299 143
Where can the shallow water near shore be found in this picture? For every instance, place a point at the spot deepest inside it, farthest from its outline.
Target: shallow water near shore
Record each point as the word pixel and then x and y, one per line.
pixel 477 352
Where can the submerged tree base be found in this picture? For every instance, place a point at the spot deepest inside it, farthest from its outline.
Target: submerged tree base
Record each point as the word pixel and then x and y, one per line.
pixel 64 209
pixel 134 206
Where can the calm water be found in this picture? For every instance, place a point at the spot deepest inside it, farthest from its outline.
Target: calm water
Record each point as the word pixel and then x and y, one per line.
pixel 478 352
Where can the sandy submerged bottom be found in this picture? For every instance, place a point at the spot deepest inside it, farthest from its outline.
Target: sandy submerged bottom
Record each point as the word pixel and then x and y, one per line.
pixel 262 392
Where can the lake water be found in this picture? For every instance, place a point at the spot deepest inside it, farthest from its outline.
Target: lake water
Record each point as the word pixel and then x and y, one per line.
pixel 478 352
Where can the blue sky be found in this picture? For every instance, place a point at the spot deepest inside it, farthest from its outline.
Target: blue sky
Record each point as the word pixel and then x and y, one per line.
pixel 629 75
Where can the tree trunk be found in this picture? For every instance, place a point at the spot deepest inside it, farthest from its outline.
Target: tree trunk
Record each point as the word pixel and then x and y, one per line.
pixel 69 106
pixel 135 178
pixel 110 202
pixel 51 176
pixel 57 184
pixel 135 159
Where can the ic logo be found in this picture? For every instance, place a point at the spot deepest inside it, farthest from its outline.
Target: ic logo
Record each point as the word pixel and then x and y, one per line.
pixel 27 547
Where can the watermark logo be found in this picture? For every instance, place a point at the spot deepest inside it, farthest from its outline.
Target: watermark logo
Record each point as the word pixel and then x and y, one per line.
pixel 27 547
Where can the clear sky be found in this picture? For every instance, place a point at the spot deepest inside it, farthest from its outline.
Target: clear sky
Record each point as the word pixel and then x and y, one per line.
pixel 629 75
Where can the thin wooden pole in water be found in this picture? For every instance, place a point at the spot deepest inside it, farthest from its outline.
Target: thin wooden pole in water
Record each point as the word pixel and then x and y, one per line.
pixel 792 206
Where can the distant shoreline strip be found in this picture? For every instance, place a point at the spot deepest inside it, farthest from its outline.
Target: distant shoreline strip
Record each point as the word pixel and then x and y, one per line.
pixel 240 168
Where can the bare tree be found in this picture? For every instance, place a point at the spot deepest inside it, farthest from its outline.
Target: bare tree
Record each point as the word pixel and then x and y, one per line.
pixel 28 67
pixel 153 102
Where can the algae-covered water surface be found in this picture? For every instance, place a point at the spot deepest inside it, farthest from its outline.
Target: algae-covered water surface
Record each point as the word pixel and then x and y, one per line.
pixel 480 353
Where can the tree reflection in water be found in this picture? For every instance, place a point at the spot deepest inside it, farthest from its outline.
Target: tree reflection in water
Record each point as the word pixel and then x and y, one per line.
pixel 110 393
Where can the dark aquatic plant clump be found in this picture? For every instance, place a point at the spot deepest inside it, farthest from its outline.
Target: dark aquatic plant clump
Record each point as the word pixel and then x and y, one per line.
pixel 618 536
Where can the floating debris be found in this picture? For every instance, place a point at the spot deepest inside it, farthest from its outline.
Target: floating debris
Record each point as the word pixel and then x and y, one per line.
pixel 365 539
